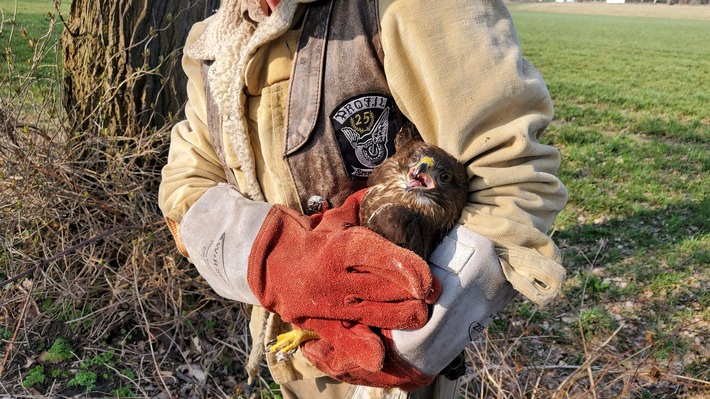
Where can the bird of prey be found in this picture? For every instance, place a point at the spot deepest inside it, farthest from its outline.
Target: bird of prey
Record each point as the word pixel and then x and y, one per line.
pixel 416 196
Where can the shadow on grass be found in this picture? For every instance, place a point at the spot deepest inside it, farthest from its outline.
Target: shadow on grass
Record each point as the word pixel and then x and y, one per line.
pixel 673 233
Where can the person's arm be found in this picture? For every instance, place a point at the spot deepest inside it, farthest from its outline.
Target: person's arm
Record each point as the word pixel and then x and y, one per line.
pixel 192 167
pixel 457 72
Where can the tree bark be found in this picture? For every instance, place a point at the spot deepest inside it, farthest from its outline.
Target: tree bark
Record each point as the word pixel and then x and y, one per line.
pixel 121 62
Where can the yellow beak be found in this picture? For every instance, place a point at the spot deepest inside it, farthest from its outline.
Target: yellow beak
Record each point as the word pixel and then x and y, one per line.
pixel 424 165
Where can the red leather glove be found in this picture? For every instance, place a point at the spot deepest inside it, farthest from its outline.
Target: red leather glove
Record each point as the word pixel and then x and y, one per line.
pixel 345 364
pixel 327 267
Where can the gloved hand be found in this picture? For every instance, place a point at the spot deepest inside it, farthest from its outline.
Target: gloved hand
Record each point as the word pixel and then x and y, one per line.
pixel 327 267
pixel 301 267
pixel 474 289
pixel 342 363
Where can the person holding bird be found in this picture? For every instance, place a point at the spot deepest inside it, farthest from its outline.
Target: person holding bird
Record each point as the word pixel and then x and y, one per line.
pixel 292 106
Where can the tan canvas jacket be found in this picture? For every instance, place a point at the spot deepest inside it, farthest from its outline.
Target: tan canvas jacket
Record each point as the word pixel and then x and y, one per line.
pixel 454 69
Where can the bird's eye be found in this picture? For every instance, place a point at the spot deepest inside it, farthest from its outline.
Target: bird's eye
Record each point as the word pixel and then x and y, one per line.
pixel 414 158
pixel 446 177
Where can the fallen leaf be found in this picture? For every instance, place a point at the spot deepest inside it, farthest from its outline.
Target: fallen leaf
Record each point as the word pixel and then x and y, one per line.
pixel 649 337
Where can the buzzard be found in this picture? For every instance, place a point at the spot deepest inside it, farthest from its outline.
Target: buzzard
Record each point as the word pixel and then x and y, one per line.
pixel 416 196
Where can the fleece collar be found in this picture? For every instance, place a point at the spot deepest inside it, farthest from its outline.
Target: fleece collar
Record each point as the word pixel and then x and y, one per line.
pixel 230 38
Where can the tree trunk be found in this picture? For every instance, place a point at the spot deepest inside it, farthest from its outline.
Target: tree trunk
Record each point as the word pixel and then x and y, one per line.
pixel 121 62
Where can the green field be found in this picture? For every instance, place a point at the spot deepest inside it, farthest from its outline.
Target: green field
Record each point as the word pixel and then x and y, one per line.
pixel 632 121
pixel 633 125
pixel 25 27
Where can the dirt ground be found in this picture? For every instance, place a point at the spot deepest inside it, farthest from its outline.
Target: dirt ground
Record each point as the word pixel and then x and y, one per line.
pixel 632 10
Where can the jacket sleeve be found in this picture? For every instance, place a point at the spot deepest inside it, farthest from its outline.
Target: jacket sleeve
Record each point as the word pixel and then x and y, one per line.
pixel 457 71
pixel 193 167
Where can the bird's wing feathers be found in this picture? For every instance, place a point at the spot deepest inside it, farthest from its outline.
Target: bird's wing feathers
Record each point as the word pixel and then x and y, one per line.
pixel 400 225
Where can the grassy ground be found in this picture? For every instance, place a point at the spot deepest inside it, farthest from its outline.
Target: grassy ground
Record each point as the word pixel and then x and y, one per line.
pixel 122 315
pixel 662 11
pixel 633 127
pixel 24 26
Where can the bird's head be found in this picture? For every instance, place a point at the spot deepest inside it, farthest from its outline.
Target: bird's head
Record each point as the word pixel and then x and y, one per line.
pixel 422 178
pixel 431 170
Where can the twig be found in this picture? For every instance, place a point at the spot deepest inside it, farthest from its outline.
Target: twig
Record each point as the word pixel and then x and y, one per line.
pixel 65 23
pixel 17 329
pixel 74 186
pixel 149 333
pixel 120 374
pixel 67 251
pixel 470 377
pixel 592 385
pixel 681 377
pixel 587 365
pixel 233 347
pixel 38 266
pixel 539 376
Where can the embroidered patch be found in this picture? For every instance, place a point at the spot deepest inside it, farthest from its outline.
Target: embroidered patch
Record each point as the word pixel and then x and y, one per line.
pixel 365 128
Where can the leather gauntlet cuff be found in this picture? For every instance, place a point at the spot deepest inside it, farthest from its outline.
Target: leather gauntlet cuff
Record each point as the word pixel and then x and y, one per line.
pixel 474 289
pixel 218 231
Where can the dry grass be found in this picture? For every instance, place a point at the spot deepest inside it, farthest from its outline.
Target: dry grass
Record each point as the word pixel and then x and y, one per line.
pixel 89 260
pixel 534 359
pixel 85 256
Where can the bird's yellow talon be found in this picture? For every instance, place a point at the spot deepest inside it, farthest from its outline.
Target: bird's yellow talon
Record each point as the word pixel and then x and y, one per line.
pixel 290 341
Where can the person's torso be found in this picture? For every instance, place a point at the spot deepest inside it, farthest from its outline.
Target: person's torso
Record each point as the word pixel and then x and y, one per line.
pixel 319 112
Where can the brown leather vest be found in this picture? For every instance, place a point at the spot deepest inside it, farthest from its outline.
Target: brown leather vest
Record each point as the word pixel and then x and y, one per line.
pixel 341 118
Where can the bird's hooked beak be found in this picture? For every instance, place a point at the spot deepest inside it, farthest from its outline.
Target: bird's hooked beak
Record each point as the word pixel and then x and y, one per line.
pixel 419 175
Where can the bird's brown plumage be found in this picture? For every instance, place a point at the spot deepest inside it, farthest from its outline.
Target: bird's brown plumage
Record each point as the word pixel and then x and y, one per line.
pixel 415 196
